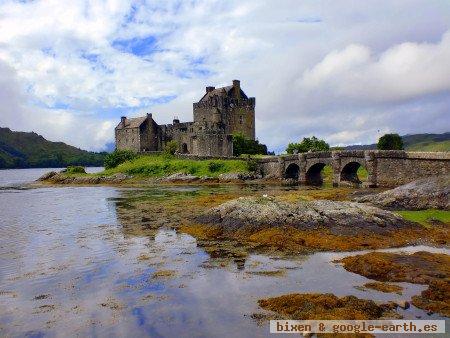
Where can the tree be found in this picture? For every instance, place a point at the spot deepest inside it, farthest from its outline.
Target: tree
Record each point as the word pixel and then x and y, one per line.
pixel 171 147
pixel 307 144
pixel 390 142
pixel 117 157
pixel 244 145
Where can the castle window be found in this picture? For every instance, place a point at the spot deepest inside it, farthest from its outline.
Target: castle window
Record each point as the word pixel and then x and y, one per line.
pixel 241 119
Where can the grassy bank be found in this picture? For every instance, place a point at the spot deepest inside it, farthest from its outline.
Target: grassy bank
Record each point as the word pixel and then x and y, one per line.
pixel 163 165
pixel 426 217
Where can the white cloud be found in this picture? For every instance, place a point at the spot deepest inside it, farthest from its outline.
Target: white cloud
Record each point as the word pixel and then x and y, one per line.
pixel 402 72
pixel 345 70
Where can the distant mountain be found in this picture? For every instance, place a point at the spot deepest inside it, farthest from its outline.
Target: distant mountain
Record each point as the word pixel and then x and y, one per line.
pixel 30 150
pixel 110 147
pixel 416 142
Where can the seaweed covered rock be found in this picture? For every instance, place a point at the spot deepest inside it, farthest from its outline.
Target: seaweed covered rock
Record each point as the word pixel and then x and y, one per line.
pixel 349 218
pixel 420 268
pixel 427 193
pixel 308 306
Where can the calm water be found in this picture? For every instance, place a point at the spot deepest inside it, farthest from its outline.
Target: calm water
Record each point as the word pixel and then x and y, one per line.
pixel 19 177
pixel 69 265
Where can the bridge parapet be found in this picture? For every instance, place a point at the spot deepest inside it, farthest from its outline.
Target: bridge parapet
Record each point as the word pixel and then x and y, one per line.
pixel 384 167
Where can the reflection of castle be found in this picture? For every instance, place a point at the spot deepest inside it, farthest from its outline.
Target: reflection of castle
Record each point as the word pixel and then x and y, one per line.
pixel 220 113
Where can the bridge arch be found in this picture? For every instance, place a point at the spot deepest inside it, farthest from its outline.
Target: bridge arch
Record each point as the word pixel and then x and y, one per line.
pixel 314 174
pixel 349 172
pixel 292 171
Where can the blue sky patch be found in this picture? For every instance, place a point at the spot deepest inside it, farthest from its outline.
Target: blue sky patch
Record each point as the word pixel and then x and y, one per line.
pixel 137 46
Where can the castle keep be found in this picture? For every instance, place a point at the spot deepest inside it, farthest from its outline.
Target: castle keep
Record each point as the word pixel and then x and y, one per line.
pixel 220 113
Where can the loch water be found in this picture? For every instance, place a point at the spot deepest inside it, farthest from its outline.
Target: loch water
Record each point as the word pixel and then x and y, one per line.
pixel 70 267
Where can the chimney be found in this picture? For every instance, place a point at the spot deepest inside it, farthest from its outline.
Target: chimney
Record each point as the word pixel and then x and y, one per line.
pixel 210 89
pixel 149 116
pixel 176 120
pixel 123 120
pixel 237 87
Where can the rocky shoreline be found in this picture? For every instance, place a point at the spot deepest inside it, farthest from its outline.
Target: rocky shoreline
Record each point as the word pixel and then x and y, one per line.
pixel 420 268
pixel 427 193
pixel 307 226
pixel 120 178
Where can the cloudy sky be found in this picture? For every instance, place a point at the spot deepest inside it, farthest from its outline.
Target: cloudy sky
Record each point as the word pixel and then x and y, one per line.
pixel 346 71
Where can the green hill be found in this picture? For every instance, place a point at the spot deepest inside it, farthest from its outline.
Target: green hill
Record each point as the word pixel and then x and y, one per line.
pixel 427 142
pixel 30 150
pixel 416 142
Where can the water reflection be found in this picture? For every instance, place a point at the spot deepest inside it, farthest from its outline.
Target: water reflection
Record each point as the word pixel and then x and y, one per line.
pixel 89 261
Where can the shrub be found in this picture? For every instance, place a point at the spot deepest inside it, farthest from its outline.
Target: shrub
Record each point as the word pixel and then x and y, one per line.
pixel 215 166
pixel 390 142
pixel 307 144
pixel 243 145
pixel 252 165
pixel 117 157
pixel 171 148
pixel 75 170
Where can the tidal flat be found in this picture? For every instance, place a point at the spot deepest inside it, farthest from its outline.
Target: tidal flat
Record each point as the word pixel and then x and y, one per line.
pixel 105 261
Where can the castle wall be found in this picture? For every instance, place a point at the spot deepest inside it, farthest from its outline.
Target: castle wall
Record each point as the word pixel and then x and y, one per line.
pixel 242 118
pixel 128 139
pixel 149 136
pixel 212 144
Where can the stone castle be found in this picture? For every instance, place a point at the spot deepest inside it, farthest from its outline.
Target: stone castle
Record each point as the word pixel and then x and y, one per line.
pixel 220 113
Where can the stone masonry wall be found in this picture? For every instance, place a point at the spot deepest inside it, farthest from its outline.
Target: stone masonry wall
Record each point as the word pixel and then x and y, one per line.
pixel 400 168
pixel 385 168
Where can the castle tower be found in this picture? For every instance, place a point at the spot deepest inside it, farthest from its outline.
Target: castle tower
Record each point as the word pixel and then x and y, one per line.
pixel 236 110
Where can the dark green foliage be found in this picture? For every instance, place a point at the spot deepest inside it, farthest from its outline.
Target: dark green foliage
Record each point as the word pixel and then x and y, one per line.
pixel 30 150
pixel 171 148
pixel 75 169
pixel 243 145
pixel 118 157
pixel 390 142
pixel 215 166
pixel 307 144
pixel 252 165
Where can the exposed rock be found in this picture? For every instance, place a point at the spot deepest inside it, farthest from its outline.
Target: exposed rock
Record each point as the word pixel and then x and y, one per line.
pixel 383 287
pixel 307 306
pixel 427 193
pixel 115 178
pixel 420 268
pixel 253 213
pixel 233 177
pixel 404 304
pixel 180 177
pixel 61 178
pixel 47 176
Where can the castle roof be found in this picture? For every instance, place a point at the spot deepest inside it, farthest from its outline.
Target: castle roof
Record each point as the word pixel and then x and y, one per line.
pixel 132 123
pixel 222 92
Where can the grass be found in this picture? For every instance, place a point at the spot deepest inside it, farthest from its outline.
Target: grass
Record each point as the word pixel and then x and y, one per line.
pixel 430 146
pixel 163 165
pixel 327 174
pixel 426 217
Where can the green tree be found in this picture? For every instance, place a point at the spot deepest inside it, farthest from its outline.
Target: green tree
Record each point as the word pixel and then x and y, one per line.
pixel 307 144
pixel 390 142
pixel 171 148
pixel 244 145
pixel 117 157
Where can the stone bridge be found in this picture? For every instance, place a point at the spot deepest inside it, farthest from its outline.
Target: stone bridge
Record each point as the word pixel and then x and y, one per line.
pixel 384 167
